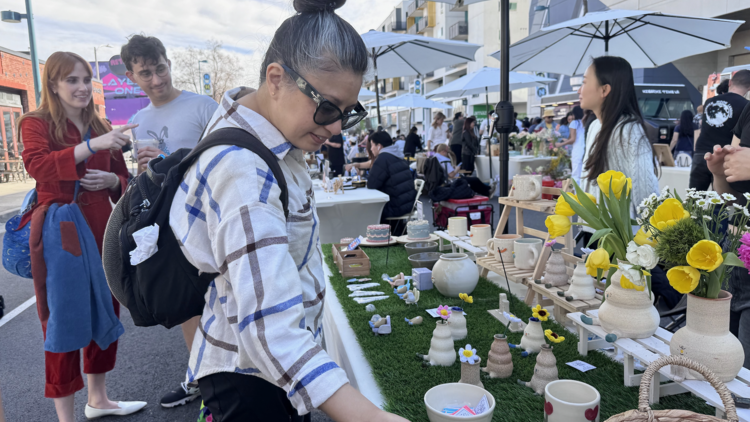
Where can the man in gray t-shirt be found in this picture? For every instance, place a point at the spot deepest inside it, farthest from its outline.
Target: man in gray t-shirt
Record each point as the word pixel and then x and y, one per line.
pixel 176 120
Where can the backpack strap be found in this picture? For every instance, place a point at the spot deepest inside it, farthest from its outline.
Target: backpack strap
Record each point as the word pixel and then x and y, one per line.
pixel 243 139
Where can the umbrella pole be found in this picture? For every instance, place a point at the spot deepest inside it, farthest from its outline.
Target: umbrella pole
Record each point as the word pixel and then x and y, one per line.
pixel 490 129
pixel 377 87
pixel 504 107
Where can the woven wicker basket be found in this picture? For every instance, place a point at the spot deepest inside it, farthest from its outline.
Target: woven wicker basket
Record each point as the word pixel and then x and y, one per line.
pixel 644 412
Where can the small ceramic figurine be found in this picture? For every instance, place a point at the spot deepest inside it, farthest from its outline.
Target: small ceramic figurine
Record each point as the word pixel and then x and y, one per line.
pixel 545 370
pixel 370 308
pixel 398 280
pixel 442 351
pixel 338 185
pixel 402 290
pixel 381 326
pixel 411 297
pixel 499 360
pixel 414 321
pixel 533 338
pixel 516 325
pixel 555 273
pixel 581 285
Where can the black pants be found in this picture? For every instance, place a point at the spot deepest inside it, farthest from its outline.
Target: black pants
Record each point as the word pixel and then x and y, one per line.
pixel 456 149
pixel 337 169
pixel 478 186
pixel 700 176
pixel 467 163
pixel 241 398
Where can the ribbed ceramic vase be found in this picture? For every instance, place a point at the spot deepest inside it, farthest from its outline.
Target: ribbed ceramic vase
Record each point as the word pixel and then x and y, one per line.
pixel 455 273
pixel 499 360
pixel 627 313
pixel 555 272
pixel 706 339
pixel 442 352
pixel 545 370
pixel 457 322
pixel 470 373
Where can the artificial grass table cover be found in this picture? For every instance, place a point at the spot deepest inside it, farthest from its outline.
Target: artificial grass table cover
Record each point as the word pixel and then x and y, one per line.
pixel 404 381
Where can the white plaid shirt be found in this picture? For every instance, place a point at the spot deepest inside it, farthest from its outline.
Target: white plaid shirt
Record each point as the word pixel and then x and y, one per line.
pixel 263 314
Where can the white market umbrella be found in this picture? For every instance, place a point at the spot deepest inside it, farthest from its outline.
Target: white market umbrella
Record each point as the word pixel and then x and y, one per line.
pixel 464 2
pixel 484 80
pixel 396 55
pixel 413 101
pixel 366 95
pixel 645 39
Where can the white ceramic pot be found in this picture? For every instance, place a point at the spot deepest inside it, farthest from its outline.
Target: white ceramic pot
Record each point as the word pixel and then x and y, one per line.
pixel 456 395
pixel 503 243
pixel 706 339
pixel 627 313
pixel 527 187
pixel 533 336
pixel 457 226
pixel 526 253
pixel 568 400
pixel 480 234
pixel 455 273
pixel 442 352
pixel 457 322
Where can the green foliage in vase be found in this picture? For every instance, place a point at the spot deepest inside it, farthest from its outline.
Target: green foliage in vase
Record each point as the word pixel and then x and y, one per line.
pixel 675 241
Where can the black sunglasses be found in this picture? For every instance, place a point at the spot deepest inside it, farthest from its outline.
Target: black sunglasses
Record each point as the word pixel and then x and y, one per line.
pixel 327 112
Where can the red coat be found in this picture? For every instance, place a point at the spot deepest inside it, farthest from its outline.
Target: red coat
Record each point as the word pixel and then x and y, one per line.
pixel 53 167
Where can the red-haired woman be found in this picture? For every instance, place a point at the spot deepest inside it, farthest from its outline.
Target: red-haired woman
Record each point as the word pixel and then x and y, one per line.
pixel 57 154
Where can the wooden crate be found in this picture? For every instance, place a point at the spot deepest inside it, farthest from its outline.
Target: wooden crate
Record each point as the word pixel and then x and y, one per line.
pixel 351 263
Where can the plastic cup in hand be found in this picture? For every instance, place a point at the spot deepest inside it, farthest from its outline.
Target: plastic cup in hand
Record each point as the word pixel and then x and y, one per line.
pixel 140 143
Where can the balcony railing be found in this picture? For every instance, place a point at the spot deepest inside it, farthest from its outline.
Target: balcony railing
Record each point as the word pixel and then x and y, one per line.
pixel 422 25
pixel 412 30
pixel 459 31
pixel 395 26
pixel 459 6
pixel 414 6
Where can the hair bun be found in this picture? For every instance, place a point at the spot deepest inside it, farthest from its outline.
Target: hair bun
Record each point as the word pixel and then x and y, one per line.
pixel 317 6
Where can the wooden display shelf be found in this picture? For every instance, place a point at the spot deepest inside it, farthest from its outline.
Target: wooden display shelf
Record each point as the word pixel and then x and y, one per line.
pixel 650 349
pixel 516 275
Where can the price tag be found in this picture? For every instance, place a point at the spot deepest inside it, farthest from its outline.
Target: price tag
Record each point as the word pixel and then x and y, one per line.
pixel 581 365
pixel 483 405
pixel 475 215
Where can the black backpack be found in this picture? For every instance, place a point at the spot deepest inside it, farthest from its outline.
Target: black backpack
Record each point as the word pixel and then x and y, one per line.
pixel 165 289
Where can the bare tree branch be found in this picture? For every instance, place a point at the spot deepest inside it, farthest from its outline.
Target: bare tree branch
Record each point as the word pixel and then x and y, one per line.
pixel 226 71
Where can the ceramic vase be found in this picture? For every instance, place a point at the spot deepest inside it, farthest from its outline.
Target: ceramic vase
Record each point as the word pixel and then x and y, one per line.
pixel 706 339
pixel 627 313
pixel 457 322
pixel 533 337
pixel 545 370
pixel 555 273
pixel 455 273
pixel 442 351
pixel 470 373
pixel 499 360
pixel 581 285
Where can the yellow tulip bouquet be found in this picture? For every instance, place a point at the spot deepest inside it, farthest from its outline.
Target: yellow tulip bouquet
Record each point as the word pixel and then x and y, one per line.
pixel 609 216
pixel 687 236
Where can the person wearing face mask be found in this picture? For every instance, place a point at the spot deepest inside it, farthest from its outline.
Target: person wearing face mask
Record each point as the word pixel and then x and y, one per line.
pixel 70 150
pixel 258 355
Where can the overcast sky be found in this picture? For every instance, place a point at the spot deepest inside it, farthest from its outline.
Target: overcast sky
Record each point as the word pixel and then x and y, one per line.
pixel 243 26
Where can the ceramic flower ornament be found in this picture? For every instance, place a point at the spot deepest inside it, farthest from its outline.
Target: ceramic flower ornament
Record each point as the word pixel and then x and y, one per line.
pixel 557 225
pixel 684 279
pixel 618 181
pixel 466 298
pixel 540 313
pixel 468 355
pixel 668 214
pixel 705 255
pixel 553 337
pixel 444 311
pixel 511 318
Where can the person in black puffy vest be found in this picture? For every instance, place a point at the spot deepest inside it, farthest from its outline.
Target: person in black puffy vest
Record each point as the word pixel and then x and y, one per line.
pixel 390 174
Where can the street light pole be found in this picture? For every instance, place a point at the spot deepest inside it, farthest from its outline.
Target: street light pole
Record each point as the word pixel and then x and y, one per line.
pixel 200 76
pixel 15 17
pixel 96 60
pixel 504 108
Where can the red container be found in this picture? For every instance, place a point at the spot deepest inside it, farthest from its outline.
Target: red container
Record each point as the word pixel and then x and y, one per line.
pixel 548 184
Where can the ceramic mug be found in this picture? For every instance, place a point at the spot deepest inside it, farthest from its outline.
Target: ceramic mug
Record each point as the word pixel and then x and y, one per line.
pixel 526 253
pixel 527 187
pixel 457 226
pixel 480 233
pixel 504 244
pixel 568 400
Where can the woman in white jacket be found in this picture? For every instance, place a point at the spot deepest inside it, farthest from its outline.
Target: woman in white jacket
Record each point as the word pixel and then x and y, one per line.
pixel 617 139
pixel 437 133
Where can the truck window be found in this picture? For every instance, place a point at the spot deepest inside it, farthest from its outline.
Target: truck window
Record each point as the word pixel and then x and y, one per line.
pixel 663 108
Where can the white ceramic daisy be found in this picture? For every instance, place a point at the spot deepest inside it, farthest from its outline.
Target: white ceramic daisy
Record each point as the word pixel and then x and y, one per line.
pixel 468 355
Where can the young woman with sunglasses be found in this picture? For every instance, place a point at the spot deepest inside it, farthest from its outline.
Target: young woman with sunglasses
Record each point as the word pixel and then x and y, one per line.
pixel 257 354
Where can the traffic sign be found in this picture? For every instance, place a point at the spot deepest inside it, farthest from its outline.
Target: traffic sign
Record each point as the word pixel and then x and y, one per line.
pixel 207 85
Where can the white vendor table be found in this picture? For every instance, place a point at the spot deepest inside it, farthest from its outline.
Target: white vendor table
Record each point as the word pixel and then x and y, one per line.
pixel 676 178
pixel 343 347
pixel 516 164
pixel 348 214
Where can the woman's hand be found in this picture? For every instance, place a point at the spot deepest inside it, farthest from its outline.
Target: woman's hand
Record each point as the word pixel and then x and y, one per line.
pixel 348 167
pixel 715 160
pixel 115 139
pixel 736 161
pixel 95 180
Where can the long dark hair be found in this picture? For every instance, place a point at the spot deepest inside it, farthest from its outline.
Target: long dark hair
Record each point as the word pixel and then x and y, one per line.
pixel 620 107
pixel 467 124
pixel 686 124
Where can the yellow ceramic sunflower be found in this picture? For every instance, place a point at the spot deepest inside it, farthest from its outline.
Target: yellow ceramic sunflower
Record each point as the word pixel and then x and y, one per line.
pixel 540 313
pixel 553 337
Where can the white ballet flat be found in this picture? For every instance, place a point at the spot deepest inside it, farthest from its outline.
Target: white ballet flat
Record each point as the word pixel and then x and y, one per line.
pixel 124 408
